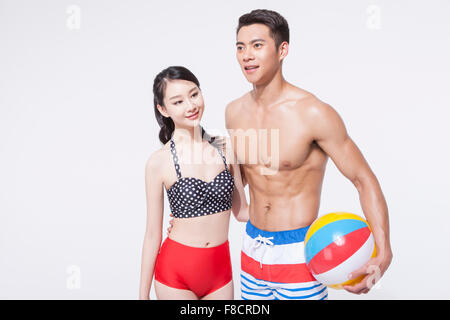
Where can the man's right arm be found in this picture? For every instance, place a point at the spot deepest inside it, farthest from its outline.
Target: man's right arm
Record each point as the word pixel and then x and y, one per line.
pixel 231 112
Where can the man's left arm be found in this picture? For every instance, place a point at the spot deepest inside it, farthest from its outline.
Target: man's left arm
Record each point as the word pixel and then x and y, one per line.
pixel 330 134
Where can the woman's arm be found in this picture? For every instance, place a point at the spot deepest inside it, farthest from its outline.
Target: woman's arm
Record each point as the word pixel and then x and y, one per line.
pixel 153 232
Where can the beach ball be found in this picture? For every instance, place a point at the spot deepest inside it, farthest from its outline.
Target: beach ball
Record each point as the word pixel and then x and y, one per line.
pixel 337 244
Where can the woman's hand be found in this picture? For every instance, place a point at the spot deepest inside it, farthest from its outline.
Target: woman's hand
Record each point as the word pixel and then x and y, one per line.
pixel 170 224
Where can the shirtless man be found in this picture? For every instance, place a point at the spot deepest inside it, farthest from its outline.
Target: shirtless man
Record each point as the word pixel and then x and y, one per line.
pixel 285 201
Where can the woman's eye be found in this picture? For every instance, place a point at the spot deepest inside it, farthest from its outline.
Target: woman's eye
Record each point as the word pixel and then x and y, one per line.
pixel 195 94
pixel 177 102
pixel 258 45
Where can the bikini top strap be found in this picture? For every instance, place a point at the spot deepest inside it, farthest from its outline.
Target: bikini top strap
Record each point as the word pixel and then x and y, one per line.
pixel 223 157
pixel 175 158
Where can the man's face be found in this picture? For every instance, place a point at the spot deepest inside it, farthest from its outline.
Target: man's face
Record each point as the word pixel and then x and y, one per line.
pixel 256 53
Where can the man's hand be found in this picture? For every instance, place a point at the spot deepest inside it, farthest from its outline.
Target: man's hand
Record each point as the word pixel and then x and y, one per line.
pixel 372 271
pixel 170 224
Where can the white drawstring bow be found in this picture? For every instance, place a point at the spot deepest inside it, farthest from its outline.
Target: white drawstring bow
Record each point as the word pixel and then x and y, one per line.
pixel 260 240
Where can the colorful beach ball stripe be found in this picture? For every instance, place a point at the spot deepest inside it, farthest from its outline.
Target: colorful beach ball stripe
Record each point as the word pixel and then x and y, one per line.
pixel 337 244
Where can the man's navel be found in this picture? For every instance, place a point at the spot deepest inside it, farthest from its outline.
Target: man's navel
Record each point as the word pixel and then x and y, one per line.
pixel 267 207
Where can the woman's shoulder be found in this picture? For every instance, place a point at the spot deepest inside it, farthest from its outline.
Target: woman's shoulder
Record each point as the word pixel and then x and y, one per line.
pixel 158 158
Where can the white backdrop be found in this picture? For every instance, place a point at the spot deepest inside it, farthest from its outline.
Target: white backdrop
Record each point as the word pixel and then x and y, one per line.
pixel 77 126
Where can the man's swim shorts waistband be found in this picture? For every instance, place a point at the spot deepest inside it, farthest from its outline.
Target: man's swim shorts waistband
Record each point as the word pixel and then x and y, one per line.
pixel 277 237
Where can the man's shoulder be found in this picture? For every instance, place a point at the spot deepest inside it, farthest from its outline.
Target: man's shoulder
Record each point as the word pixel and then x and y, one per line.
pixel 237 103
pixel 307 103
pixel 316 114
pixel 235 106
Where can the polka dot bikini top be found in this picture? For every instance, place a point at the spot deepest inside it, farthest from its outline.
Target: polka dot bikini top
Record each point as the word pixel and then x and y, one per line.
pixel 191 197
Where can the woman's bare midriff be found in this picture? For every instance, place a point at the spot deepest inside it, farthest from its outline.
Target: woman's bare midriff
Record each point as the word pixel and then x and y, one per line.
pixel 203 232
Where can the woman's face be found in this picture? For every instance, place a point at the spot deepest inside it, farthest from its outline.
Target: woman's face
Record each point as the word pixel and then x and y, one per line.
pixel 183 102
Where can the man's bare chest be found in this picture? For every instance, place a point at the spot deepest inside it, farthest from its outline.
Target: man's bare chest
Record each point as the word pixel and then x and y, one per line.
pixel 280 143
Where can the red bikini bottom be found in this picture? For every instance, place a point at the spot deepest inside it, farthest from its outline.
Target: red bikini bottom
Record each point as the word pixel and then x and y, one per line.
pixel 200 270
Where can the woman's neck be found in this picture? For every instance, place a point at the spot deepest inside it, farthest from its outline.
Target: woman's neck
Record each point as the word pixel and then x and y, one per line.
pixel 188 135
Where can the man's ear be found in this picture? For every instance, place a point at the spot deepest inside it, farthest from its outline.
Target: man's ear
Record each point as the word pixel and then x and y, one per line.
pixel 162 110
pixel 283 50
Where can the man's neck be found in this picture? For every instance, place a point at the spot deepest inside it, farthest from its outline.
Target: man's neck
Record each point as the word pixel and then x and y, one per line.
pixel 271 92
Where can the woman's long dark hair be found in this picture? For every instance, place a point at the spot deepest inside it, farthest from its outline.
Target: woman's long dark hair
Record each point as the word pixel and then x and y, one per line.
pixel 159 88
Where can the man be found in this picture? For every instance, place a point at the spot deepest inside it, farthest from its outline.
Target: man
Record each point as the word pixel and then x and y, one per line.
pixel 300 132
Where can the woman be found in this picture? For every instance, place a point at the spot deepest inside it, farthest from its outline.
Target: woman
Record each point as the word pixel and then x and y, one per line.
pixel 194 260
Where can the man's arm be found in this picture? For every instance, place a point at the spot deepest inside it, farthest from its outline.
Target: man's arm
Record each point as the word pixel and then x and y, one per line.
pixel 231 111
pixel 240 207
pixel 328 130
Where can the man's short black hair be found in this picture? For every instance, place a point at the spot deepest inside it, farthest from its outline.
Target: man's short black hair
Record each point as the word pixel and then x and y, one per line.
pixel 278 25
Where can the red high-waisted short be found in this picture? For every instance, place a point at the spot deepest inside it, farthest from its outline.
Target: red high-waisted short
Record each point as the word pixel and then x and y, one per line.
pixel 200 270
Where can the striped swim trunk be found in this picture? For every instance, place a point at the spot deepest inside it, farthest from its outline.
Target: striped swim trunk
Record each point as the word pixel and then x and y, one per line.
pixel 273 266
